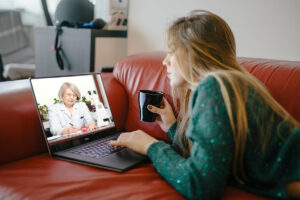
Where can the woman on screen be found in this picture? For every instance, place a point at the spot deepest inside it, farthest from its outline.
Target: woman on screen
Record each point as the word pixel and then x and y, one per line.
pixel 69 115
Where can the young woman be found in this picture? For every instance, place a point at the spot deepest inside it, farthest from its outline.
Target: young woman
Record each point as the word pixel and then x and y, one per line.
pixel 229 129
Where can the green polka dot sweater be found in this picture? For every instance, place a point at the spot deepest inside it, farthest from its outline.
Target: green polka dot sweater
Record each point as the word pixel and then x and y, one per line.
pixel 204 174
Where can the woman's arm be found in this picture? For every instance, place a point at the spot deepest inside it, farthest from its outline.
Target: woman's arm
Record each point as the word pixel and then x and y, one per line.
pixel 172 130
pixel 204 174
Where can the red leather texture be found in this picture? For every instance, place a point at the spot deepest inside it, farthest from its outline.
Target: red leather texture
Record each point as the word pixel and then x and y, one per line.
pixel 231 193
pixel 117 99
pixel 142 72
pixel 145 71
pixel 20 131
pixel 41 177
pixel 36 176
pixel 282 78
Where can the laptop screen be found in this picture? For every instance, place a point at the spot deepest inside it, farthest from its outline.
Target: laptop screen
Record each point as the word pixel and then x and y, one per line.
pixel 72 107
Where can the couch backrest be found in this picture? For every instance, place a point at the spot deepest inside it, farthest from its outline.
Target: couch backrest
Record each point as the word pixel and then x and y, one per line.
pixel 142 72
pixel 282 78
pixel 117 98
pixel 145 71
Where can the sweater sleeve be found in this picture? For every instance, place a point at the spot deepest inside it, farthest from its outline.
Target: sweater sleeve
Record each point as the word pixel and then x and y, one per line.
pixel 172 130
pixel 203 175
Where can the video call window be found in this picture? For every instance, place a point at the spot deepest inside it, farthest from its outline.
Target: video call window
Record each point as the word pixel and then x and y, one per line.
pixel 71 106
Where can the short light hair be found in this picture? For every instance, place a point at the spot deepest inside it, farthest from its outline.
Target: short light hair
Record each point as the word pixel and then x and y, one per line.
pixel 68 85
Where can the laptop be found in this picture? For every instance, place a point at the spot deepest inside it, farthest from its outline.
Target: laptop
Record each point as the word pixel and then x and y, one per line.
pixel 77 122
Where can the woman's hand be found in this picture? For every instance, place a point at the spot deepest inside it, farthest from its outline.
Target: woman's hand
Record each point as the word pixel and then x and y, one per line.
pixel 166 116
pixel 71 129
pixel 138 141
pixel 92 126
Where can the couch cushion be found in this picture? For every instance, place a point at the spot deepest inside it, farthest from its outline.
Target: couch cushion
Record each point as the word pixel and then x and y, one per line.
pixel 41 177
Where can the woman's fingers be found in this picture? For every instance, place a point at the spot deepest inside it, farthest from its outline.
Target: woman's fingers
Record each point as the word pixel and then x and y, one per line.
pixel 165 102
pixel 120 141
pixel 165 105
pixel 113 142
pixel 73 129
pixel 165 113
pixel 154 109
pixel 138 141
pixel 92 127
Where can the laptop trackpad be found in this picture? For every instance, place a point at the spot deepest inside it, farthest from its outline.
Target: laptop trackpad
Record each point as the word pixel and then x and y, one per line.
pixel 128 154
pixel 124 159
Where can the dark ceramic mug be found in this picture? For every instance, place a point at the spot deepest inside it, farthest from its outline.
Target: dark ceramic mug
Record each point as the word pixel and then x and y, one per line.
pixel 147 97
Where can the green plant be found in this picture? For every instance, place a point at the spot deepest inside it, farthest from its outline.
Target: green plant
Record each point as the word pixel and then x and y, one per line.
pixel 43 109
pixel 83 99
pixel 88 103
pixel 56 100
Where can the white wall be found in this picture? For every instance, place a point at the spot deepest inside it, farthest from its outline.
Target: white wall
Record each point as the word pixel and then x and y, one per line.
pixel 46 89
pixel 262 28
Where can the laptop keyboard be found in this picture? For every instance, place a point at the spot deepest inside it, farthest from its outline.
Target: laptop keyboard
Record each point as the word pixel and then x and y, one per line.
pixel 99 149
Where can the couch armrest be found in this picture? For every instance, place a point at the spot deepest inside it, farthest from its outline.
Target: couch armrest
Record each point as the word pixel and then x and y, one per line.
pixel 20 134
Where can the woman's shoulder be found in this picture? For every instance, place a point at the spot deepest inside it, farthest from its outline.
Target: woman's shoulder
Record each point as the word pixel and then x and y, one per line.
pixel 208 82
pixel 216 81
pixel 208 85
pixel 207 90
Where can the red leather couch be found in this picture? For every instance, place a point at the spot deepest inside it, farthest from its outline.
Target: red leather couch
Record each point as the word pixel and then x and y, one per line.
pixel 27 171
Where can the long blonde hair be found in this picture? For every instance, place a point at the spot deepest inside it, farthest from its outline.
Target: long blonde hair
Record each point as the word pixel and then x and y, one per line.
pixel 204 45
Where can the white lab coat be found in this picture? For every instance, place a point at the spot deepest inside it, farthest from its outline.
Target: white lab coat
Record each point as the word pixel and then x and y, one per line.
pixel 60 118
